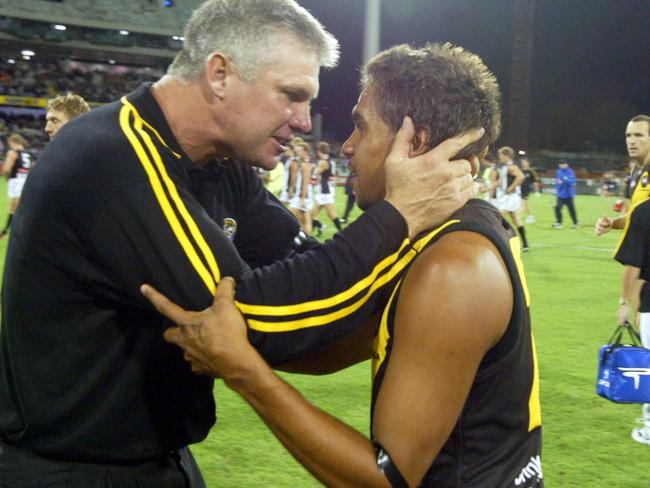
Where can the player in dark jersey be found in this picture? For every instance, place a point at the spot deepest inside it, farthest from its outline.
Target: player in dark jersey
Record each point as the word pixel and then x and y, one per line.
pixel 17 164
pixel 637 139
pixel 455 391
pixel 633 252
pixel 530 185
pixel 324 188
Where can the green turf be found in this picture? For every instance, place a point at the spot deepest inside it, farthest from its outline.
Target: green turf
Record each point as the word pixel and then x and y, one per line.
pixel 574 285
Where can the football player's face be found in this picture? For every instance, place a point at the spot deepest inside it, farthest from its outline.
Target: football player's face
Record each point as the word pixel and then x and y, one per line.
pixel 367 147
pixel 637 139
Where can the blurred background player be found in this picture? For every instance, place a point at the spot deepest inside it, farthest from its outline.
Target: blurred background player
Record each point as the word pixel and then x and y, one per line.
pixel 286 159
pixel 16 167
pixel 530 185
pixel 274 179
pixel 506 180
pixel 62 109
pixel 300 181
pixel 565 187
pixel 325 188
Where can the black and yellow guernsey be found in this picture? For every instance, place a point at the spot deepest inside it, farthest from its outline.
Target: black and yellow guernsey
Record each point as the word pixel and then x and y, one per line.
pixel 633 248
pixel 113 203
pixel 497 439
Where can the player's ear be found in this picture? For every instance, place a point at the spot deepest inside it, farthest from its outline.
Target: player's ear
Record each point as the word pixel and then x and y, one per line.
pixel 218 68
pixel 420 141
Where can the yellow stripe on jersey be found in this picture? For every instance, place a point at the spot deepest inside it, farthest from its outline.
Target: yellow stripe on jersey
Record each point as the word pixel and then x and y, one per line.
pixel 315 321
pixel 381 339
pixel 125 101
pixel 641 192
pixel 285 310
pixel 180 206
pixel 534 407
pixel 515 248
pixel 125 113
pixel 324 319
pixel 627 225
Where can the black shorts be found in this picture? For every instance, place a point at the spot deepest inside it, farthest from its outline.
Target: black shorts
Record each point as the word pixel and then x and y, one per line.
pixel 20 468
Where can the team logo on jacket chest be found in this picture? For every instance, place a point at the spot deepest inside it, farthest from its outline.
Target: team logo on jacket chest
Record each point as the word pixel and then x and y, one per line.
pixel 229 227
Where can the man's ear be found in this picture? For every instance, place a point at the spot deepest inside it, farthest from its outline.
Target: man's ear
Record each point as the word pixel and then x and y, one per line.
pixel 420 142
pixel 217 70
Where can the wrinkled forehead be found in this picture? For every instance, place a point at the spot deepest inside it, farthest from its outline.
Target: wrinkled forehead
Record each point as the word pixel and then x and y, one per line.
pixel 294 66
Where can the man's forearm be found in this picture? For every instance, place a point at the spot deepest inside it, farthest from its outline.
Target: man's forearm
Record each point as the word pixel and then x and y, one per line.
pixel 332 451
pixel 630 277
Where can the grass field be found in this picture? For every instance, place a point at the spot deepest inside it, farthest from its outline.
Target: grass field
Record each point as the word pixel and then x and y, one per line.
pixel 574 284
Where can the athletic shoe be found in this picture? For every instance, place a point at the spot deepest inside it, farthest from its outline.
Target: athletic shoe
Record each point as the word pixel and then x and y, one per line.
pixel 525 249
pixel 530 220
pixel 557 225
pixel 575 226
pixel 641 435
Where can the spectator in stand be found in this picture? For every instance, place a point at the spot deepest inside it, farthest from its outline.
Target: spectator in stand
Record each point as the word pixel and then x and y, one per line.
pixel 62 109
pixel 565 186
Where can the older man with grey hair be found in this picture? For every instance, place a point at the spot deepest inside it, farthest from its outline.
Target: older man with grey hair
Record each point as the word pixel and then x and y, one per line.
pixel 158 188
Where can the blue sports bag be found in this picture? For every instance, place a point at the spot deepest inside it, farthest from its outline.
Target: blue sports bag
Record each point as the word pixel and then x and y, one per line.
pixel 624 369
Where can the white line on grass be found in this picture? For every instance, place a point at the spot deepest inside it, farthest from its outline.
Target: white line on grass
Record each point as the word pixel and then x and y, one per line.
pixel 579 248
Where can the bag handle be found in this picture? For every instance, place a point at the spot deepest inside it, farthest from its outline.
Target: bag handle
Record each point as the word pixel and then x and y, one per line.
pixel 620 330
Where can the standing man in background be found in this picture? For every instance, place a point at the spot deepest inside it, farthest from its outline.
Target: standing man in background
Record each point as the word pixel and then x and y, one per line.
pixel 633 252
pixel 324 188
pixel 61 110
pixel 17 164
pixel 565 187
pixel 506 179
pixel 530 185
pixel 637 140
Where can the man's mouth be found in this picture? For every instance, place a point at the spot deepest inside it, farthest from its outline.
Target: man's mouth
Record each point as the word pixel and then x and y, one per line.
pixel 282 142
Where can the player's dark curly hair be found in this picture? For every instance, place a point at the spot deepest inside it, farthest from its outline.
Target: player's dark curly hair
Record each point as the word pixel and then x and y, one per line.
pixel 442 87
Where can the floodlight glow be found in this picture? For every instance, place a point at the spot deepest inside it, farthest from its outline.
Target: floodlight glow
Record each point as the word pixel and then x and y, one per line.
pixel 27 52
pixel 124 32
pixel 522 153
pixel 11 61
pixel 26 58
pixel 60 27
pixel 111 61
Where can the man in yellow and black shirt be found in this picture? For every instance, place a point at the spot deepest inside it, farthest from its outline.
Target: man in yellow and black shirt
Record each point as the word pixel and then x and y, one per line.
pixel 637 139
pixel 455 379
pixel 150 189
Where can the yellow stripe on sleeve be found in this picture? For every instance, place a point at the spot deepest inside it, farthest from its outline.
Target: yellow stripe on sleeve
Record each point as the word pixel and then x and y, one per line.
pixel 163 201
pixel 318 320
pixel 180 206
pixel 627 226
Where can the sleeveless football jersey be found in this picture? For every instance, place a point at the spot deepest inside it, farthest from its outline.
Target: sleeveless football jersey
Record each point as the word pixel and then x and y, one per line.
pixel 496 441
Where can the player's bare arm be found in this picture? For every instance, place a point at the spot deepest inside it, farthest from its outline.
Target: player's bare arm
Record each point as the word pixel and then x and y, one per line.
pixel 519 177
pixel 350 349
pixel 446 321
pixel 215 343
pixel 428 188
pixel 629 293
pixel 437 350
pixel 10 162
